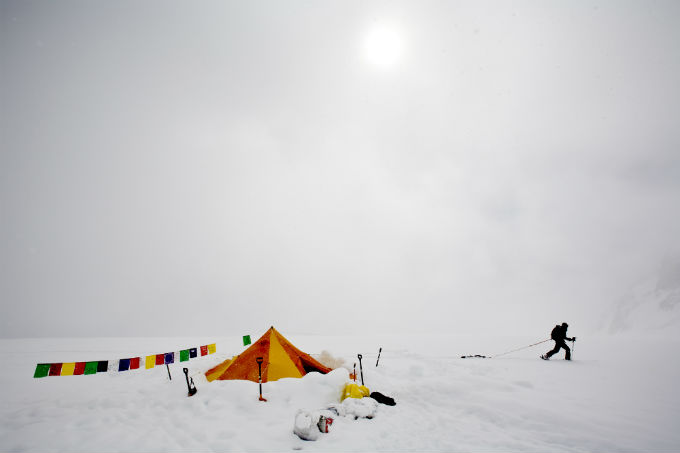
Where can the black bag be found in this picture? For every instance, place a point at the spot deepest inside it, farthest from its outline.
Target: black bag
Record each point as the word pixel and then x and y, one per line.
pixel 382 399
pixel 556 333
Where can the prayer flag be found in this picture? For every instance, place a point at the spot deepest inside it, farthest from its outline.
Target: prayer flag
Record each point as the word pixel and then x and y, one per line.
pixel 204 350
pixel 79 369
pixel 150 361
pixel 160 359
pixel 193 353
pixel 91 367
pixel 212 348
pixel 102 366
pixel 246 340
pixel 42 370
pixel 124 365
pixel 169 357
pixel 67 369
pixel 134 363
pixel 55 369
pixel 184 355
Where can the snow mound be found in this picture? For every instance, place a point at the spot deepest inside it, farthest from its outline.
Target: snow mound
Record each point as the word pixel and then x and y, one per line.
pixel 356 408
pixel 618 394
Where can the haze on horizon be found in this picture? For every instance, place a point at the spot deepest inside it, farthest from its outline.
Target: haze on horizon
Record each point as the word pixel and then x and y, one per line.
pixel 173 168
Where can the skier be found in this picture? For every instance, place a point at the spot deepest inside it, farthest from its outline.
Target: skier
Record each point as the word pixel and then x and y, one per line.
pixel 559 335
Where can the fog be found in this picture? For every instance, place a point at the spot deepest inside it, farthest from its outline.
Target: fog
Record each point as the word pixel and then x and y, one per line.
pixel 214 168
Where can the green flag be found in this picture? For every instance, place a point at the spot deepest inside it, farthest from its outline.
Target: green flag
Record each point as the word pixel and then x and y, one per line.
pixel 246 340
pixel 184 355
pixel 42 370
pixel 91 367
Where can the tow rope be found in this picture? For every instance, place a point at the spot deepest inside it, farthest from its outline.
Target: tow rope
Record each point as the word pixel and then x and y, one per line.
pixel 519 349
pixel 503 353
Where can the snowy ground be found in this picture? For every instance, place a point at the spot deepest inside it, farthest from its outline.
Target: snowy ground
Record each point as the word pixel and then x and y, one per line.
pixel 619 394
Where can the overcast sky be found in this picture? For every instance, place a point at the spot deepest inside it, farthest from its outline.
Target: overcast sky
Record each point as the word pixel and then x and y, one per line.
pixel 214 168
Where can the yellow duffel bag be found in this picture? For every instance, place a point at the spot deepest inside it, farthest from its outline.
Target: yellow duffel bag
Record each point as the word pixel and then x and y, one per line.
pixel 352 390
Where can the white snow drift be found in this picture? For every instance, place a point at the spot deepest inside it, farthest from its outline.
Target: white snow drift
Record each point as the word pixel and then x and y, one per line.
pixel 618 394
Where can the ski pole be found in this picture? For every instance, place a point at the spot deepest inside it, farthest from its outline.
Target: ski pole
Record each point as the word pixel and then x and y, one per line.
pixel 355 372
pixel 573 346
pixel 361 369
pixel 376 362
pixel 259 361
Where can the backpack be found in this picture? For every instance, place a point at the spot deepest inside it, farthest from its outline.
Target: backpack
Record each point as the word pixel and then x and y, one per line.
pixel 383 399
pixel 556 333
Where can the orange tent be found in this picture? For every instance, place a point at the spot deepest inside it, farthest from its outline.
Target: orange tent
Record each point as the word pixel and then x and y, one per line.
pixel 281 359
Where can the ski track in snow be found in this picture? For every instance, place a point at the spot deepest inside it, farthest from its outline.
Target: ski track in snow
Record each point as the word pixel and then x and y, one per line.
pixel 618 395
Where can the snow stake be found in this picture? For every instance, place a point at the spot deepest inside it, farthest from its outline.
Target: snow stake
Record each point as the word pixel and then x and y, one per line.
pixel 376 362
pixel 361 368
pixel 259 361
pixel 168 367
pixel 192 387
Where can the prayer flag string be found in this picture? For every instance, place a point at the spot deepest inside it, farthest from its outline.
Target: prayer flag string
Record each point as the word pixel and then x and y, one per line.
pixel 126 364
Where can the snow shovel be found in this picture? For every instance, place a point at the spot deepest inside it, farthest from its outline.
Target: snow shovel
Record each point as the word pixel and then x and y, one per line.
pixel 259 361
pixel 192 387
pixel 361 369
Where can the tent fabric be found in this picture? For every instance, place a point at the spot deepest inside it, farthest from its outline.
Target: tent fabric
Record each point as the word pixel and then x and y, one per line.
pixel 280 360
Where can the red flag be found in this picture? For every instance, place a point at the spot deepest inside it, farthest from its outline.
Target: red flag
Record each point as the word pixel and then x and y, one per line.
pixel 160 359
pixel 55 369
pixel 134 363
pixel 204 350
pixel 79 369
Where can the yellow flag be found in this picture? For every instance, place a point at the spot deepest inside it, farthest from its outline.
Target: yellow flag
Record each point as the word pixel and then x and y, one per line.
pixel 67 369
pixel 212 348
pixel 150 361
